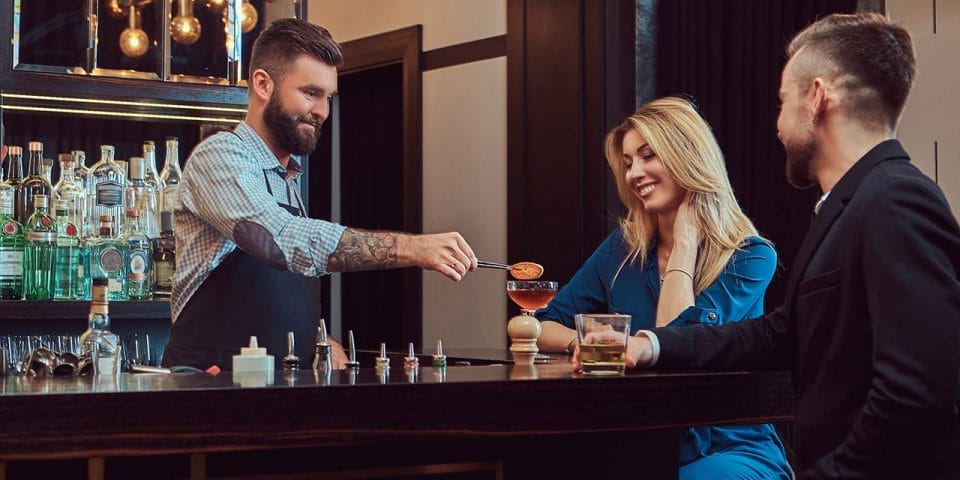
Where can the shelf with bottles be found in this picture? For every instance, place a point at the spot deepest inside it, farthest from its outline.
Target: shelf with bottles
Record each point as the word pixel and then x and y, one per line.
pixel 174 51
pixel 77 310
pixel 46 256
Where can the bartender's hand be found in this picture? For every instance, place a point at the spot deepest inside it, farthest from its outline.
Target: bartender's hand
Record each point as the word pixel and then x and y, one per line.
pixel 338 357
pixel 639 349
pixel 447 253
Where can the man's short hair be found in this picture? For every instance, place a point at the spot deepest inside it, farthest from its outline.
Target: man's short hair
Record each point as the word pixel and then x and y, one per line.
pixel 869 57
pixel 287 39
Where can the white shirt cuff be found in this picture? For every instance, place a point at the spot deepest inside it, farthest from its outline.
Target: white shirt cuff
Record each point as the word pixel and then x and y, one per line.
pixel 654 346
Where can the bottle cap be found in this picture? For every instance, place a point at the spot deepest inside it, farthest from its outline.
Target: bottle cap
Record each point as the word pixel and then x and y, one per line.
pixel 65 157
pixel 136 168
pixel 15 150
pixel 100 282
pixel 106 218
pixel 172 139
pixel 41 201
pixel 253 349
pixel 149 145
pixel 133 213
pixel 35 146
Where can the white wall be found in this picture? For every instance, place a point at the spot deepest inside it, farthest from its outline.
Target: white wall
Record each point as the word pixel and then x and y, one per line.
pixel 445 22
pixel 464 153
pixel 931 114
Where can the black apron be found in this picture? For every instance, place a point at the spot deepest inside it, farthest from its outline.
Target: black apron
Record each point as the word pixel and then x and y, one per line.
pixel 241 298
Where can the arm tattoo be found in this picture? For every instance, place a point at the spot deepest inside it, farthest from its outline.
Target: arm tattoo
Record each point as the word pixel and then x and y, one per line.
pixel 364 250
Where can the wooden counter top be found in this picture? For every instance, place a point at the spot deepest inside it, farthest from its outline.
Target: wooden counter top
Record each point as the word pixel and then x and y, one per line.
pixel 148 414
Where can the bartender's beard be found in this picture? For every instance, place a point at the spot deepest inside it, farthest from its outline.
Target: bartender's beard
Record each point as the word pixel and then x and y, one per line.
pixel 286 128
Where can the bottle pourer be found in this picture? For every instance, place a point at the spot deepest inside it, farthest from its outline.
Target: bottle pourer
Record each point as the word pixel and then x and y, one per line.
pixel 321 350
pixel 352 363
pixel 383 362
pixel 291 362
pixel 439 359
pixel 411 361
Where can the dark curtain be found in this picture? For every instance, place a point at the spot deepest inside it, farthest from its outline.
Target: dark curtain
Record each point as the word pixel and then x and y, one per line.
pixel 728 54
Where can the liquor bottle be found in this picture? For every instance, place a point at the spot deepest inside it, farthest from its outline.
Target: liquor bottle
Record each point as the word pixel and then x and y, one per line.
pixel 68 268
pixel 34 184
pixel 141 196
pixel 108 181
pixel 106 260
pixel 170 177
pixel 69 191
pixel 151 176
pixel 138 256
pixel 98 343
pixel 11 250
pixel 40 236
pixel 88 227
pixel 14 179
pixel 164 258
pixel 46 169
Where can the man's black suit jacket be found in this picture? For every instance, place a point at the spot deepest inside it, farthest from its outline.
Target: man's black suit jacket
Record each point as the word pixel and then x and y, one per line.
pixel 870 329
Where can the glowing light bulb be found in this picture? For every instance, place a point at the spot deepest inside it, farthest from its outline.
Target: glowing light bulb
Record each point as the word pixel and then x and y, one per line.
pixel 134 42
pixel 185 28
pixel 248 17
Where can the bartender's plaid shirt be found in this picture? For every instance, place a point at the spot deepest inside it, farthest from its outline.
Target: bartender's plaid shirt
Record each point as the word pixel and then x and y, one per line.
pixel 224 183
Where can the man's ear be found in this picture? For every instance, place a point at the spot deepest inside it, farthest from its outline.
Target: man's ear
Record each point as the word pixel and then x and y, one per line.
pixel 261 84
pixel 817 98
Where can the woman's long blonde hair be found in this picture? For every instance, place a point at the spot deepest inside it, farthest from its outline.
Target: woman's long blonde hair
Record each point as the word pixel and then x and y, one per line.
pixel 688 150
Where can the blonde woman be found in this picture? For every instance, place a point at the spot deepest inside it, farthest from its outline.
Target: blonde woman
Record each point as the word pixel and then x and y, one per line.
pixel 684 254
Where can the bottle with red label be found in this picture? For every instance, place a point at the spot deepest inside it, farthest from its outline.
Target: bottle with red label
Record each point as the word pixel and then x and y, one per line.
pixel 11 251
pixel 106 259
pixel 40 234
pixel 68 269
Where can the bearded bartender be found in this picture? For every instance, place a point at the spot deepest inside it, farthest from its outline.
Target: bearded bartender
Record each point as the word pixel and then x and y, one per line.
pixel 248 255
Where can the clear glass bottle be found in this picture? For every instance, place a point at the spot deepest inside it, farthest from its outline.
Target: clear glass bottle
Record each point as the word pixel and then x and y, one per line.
pixel 150 174
pixel 164 258
pixel 138 256
pixel 98 343
pixel 142 197
pixel 106 259
pixel 46 169
pixel 11 250
pixel 88 227
pixel 70 192
pixel 170 176
pixel 14 180
pixel 68 271
pixel 108 180
pixel 9 186
pixel 40 236
pixel 34 184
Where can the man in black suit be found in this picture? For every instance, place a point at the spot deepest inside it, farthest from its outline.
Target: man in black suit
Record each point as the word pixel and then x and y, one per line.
pixel 871 324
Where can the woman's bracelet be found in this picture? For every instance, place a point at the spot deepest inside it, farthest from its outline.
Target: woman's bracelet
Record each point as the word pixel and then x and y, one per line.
pixel 569 348
pixel 664 276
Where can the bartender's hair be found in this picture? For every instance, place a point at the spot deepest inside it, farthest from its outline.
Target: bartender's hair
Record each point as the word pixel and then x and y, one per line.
pixel 684 143
pixel 287 39
pixel 870 59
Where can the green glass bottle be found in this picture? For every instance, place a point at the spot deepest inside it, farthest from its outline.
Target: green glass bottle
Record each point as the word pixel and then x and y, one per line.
pixel 40 235
pixel 68 272
pixel 138 256
pixel 106 259
pixel 11 249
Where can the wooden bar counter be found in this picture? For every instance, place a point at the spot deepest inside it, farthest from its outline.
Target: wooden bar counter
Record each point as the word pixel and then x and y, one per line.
pixel 491 421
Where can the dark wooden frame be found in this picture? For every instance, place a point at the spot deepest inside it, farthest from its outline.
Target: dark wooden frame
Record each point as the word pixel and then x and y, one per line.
pixel 402 47
pixel 575 58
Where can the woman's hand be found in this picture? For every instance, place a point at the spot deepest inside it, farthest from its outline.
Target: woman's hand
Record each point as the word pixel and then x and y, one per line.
pixel 686 230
